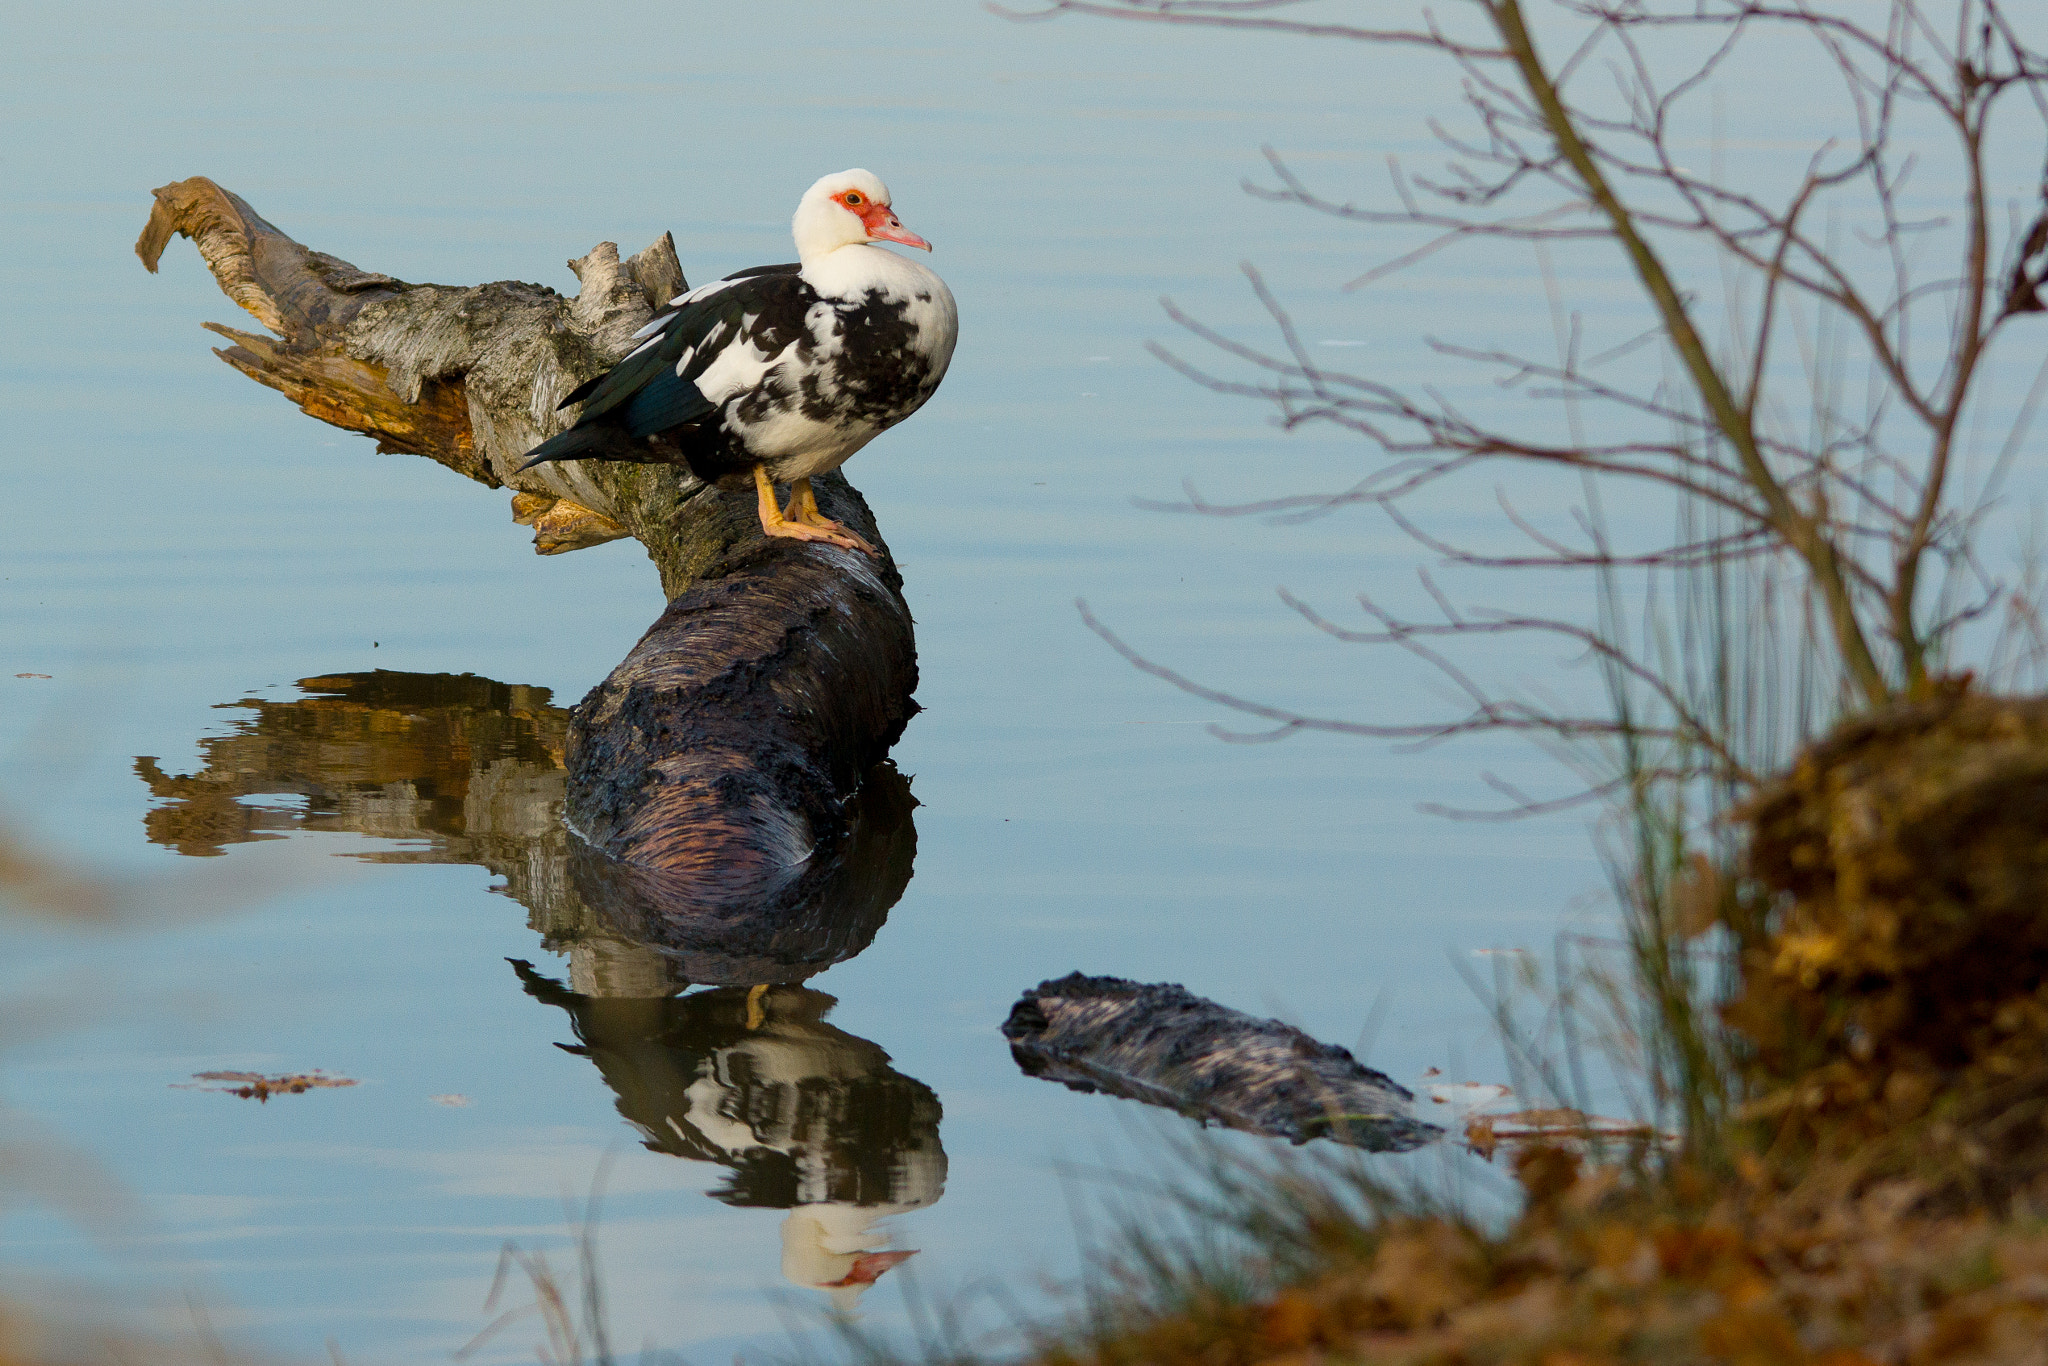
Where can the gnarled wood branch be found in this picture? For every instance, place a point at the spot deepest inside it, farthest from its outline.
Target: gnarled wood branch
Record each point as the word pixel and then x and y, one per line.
pixel 739 726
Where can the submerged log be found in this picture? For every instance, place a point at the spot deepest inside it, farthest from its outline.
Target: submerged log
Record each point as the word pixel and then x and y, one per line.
pixel 735 732
pixel 1163 1045
pixel 463 769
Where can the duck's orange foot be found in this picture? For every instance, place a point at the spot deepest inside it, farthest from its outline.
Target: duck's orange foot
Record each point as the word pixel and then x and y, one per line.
pixel 829 532
pixel 802 521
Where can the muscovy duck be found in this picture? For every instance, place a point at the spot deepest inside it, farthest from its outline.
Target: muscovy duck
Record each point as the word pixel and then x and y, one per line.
pixel 779 373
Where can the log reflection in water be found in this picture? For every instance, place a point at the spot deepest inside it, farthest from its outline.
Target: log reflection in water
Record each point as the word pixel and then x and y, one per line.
pixel 808 1118
pixel 469 770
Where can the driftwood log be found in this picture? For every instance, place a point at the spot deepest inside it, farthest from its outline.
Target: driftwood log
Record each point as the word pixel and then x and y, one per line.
pixel 1164 1045
pixel 721 755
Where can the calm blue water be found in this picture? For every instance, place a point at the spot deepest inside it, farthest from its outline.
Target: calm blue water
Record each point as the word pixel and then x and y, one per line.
pixel 181 541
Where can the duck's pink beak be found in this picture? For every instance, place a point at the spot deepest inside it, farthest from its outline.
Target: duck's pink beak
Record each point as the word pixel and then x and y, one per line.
pixel 884 226
pixel 869 1266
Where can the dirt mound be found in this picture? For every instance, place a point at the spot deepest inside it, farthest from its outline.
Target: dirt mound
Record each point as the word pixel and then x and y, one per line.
pixel 1893 978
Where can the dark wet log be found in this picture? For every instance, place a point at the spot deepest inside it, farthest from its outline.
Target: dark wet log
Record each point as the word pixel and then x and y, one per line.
pixel 761 689
pixel 1163 1045
pixel 719 930
pixel 735 732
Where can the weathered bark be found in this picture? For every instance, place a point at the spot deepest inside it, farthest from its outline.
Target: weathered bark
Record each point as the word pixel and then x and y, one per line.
pixel 689 756
pixel 1163 1045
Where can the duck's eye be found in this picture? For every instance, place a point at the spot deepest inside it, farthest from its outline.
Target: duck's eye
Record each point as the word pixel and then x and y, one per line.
pixel 852 198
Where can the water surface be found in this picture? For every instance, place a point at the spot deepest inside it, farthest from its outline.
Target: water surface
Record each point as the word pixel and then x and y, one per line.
pixel 262 635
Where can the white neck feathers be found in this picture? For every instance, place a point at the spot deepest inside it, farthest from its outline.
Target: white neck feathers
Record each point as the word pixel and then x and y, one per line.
pixel 851 271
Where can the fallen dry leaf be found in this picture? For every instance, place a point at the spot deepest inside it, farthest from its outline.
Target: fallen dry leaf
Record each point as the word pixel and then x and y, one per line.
pixel 262 1087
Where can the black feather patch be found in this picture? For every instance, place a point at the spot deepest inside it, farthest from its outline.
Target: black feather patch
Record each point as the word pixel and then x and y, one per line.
pixel 663 402
pixel 580 392
pixel 574 444
pixel 786 268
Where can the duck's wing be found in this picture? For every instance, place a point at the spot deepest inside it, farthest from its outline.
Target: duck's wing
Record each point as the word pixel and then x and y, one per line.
pixel 653 384
pixel 653 389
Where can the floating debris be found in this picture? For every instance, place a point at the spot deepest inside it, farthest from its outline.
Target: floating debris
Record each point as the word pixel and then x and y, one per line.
pixel 1466 1098
pixel 31 675
pixel 1163 1045
pixel 452 1100
pixel 1556 1127
pixel 258 1086
pixel 1491 1116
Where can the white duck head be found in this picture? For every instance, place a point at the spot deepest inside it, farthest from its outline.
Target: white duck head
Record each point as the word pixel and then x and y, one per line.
pixel 845 209
pixel 825 1246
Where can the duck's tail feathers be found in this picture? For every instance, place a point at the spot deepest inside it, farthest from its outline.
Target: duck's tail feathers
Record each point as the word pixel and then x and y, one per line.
pixel 575 444
pixel 582 391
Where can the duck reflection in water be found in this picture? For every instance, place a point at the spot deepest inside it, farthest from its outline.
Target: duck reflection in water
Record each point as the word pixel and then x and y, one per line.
pixel 807 1117
pixel 743 1072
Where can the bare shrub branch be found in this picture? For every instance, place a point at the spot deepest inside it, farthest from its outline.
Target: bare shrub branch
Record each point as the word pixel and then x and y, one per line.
pixel 1818 440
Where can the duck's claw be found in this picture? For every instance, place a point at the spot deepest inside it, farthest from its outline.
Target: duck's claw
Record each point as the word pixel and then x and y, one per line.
pixel 802 521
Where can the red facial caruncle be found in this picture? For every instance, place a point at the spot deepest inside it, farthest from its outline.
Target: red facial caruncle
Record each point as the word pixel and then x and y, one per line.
pixel 880 220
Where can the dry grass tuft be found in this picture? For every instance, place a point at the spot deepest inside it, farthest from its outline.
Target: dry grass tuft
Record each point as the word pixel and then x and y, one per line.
pixel 1603 1269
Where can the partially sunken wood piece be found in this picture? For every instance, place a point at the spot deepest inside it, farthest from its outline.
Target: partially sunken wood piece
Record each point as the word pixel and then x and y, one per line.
pixel 1164 1045
pixel 736 730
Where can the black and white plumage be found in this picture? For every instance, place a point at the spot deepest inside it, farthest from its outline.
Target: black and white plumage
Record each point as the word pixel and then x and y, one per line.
pixel 779 373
